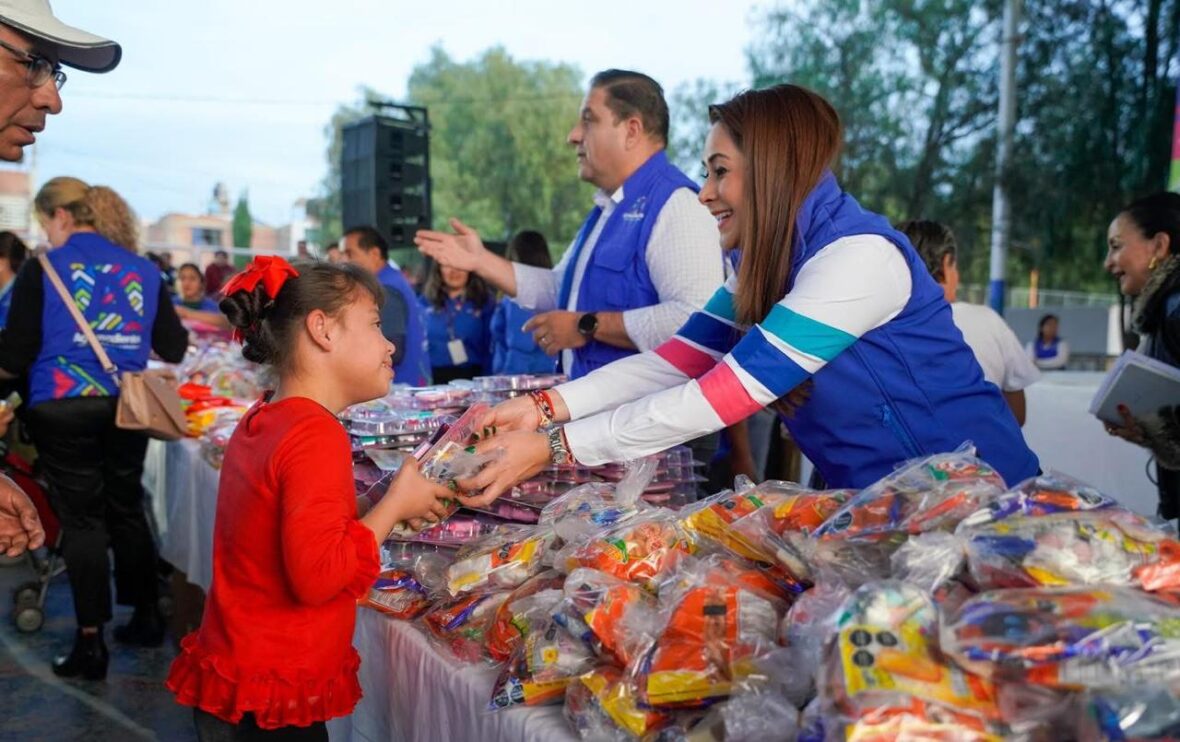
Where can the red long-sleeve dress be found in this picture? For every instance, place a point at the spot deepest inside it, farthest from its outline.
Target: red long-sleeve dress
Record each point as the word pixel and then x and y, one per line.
pixel 290 559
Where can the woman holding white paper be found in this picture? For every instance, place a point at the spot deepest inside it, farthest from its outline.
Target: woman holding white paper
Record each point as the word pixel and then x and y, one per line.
pixel 1144 256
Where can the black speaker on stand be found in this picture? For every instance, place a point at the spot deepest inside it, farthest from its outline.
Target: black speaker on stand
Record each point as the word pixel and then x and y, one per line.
pixel 385 169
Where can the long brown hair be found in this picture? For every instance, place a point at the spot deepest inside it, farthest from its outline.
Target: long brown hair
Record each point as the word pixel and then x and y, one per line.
pixel 435 291
pixel 99 207
pixel 788 136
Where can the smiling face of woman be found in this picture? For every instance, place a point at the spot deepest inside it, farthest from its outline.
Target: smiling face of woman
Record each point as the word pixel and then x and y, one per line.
pixel 191 284
pixel 723 190
pixel 1130 253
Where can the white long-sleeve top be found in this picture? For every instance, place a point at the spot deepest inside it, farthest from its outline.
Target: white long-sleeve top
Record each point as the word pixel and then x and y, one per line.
pixel 683 259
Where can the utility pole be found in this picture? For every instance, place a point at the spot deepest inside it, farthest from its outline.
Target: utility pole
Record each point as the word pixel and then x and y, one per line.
pixel 1001 209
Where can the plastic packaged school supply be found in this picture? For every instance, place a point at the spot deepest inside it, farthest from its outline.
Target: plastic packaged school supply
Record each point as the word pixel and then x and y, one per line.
pixel 883 677
pixel 1108 546
pixel 603 706
pixel 1070 638
pixel 715 629
pixel 930 494
pixel 608 614
pixel 460 625
pixel 540 668
pixel 782 532
pixel 639 550
pixel 501 560
pixel 518 614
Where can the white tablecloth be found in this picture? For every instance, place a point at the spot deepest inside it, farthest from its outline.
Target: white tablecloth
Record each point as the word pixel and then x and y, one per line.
pixel 1066 437
pixel 184 502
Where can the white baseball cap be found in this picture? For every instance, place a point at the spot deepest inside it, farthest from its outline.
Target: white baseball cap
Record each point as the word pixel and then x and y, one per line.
pixel 74 47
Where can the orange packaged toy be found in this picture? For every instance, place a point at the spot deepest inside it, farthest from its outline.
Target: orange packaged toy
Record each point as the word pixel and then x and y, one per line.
pixel 606 613
pixel 640 550
pixel 513 619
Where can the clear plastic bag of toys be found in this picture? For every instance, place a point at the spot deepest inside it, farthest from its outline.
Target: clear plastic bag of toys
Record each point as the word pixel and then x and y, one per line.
pixel 929 560
pixel 640 550
pixel 714 630
pixel 404 590
pixel 749 716
pixel 714 517
pixel 1070 638
pixel 603 706
pixel 930 494
pixel 460 626
pixel 501 560
pixel 806 628
pixel 1107 546
pixel 883 675
pixel 1044 494
pixel 517 615
pixel 539 670
pixel 1148 712
pixel 585 510
pixel 782 533
pixel 608 614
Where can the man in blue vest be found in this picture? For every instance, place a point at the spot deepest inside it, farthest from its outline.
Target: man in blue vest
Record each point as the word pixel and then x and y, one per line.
pixel 645 258
pixel 402 322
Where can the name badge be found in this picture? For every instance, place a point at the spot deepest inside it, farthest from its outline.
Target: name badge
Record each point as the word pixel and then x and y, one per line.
pixel 458 352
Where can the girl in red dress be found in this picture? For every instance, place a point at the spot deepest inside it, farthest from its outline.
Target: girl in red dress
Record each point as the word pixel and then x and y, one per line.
pixel 273 657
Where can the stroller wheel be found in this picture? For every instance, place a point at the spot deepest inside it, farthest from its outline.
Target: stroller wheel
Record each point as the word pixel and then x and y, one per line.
pixel 29 618
pixel 27 594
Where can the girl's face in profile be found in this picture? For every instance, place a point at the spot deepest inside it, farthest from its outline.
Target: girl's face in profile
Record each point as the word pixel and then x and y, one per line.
pixel 722 193
pixel 363 358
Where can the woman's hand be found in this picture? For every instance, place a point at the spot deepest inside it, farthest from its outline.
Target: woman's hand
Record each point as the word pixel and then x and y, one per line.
pixel 1130 431
pixel 518 413
pixel 524 453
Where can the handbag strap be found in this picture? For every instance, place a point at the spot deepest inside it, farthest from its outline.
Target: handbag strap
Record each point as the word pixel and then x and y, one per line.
pixel 83 325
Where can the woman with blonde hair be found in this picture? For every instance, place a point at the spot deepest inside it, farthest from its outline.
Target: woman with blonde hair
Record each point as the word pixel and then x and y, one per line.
pixel 94 468
pixel 832 317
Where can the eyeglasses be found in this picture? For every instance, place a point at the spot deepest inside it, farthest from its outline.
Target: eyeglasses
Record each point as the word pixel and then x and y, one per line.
pixel 41 70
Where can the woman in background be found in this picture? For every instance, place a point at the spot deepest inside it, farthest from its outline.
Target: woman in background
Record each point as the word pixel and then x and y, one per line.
pixel 191 302
pixel 1049 351
pixel 514 350
pixel 459 308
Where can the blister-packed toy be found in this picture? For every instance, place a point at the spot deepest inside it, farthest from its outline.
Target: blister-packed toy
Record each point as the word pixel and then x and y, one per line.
pixel 715 630
pixel 603 706
pixel 461 625
pixel 883 676
pixel 639 550
pixel 931 494
pixel 540 669
pixel 1107 546
pixel 1071 638
pixel 520 612
pixel 782 532
pixel 1044 494
pixel 608 614
pixel 501 560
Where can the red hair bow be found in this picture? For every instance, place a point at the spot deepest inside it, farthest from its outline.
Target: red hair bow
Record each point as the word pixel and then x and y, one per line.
pixel 271 272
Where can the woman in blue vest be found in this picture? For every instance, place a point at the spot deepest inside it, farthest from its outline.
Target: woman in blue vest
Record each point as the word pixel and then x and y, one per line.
pixel 192 305
pixel 94 468
pixel 831 315
pixel 459 310
pixel 1049 351
pixel 514 350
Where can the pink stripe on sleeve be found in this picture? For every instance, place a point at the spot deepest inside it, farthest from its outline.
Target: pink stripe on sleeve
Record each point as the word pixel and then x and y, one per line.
pixel 690 361
pixel 726 395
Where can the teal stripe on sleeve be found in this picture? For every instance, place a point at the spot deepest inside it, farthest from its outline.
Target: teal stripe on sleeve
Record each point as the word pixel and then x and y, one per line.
pixel 806 335
pixel 721 305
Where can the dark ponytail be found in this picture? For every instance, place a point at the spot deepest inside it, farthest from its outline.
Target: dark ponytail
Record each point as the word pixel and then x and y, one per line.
pixel 1159 212
pixel 268 327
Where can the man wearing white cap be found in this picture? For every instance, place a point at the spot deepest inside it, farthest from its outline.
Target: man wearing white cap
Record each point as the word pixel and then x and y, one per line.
pixel 33 46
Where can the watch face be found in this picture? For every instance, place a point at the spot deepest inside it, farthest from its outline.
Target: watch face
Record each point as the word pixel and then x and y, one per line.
pixel 587 324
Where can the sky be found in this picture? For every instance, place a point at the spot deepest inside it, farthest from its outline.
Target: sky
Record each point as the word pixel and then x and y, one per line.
pixel 239 91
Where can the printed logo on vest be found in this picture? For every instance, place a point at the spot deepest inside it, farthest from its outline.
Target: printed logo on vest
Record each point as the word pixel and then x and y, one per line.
pixel 636 212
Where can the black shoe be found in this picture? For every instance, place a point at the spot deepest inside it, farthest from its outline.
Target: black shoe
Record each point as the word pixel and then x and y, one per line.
pixel 88 659
pixel 145 629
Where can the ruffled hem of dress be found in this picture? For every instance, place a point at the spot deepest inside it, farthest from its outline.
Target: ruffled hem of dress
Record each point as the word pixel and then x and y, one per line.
pixel 276 698
pixel 368 560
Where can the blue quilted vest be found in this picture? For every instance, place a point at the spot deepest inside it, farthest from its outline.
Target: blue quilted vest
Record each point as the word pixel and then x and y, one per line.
pixel 616 278
pixel 117 292
pixel 415 366
pixel 909 388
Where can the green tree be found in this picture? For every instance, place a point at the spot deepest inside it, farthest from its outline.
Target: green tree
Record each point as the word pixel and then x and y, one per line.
pixel 243 224
pixel 688 107
pixel 498 153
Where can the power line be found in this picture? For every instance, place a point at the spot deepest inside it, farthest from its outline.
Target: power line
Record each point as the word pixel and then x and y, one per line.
pixel 168 98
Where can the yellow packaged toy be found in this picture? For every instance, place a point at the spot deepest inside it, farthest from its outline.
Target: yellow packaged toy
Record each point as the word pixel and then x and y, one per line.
pixel 639 550
pixel 501 560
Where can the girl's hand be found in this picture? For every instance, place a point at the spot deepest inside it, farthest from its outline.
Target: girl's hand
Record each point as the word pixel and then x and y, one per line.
pixel 524 453
pixel 416 497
